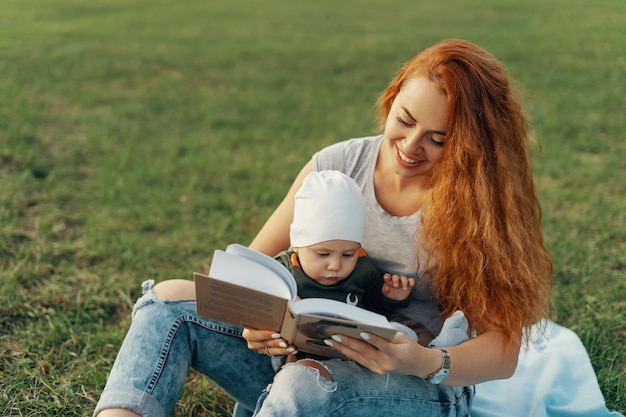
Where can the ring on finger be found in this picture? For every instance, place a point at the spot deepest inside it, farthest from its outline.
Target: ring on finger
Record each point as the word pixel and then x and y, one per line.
pixel 267 351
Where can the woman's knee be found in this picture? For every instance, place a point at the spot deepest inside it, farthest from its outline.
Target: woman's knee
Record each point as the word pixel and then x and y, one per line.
pixel 317 366
pixel 305 374
pixel 175 290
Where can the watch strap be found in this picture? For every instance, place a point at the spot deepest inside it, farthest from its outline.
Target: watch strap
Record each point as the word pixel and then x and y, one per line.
pixel 442 373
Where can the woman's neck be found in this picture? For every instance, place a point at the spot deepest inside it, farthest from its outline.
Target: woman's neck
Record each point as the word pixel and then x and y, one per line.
pixel 398 196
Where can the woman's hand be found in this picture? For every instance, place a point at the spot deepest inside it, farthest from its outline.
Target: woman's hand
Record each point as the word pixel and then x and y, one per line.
pixel 267 342
pixel 482 358
pixel 401 355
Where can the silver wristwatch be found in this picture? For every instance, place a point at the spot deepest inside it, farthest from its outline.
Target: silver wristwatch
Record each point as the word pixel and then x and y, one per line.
pixel 442 373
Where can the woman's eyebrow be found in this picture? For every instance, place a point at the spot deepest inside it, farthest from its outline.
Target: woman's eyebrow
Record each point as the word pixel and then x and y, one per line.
pixel 438 132
pixel 408 113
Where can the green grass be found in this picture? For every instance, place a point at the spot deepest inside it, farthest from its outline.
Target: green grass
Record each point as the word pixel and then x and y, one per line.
pixel 137 136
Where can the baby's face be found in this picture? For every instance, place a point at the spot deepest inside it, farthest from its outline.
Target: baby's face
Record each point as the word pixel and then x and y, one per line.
pixel 329 262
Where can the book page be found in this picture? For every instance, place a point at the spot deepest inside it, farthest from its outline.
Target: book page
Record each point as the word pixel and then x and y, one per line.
pixel 268 262
pixel 337 309
pixel 247 273
pixel 308 331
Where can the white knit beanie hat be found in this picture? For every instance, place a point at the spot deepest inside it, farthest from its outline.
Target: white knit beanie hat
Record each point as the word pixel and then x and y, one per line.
pixel 328 206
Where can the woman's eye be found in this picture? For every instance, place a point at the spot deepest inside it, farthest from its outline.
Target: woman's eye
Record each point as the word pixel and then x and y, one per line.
pixel 437 140
pixel 402 122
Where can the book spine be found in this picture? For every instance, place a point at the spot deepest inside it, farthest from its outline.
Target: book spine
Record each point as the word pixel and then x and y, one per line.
pixel 289 329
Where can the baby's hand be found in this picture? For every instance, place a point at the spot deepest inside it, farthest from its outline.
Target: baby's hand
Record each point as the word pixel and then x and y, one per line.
pixel 397 287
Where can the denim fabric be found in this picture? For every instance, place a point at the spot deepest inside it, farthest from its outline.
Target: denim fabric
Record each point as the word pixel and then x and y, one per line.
pixel 300 391
pixel 165 339
pixel 240 411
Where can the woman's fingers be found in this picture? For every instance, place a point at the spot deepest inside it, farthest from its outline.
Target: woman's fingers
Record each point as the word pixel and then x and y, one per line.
pixel 360 351
pixel 267 342
pixel 373 352
pixel 254 336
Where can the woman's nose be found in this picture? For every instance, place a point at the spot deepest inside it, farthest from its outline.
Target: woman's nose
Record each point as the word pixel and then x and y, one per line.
pixel 414 141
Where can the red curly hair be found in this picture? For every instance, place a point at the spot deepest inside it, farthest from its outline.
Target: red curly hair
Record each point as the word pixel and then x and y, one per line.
pixel 481 221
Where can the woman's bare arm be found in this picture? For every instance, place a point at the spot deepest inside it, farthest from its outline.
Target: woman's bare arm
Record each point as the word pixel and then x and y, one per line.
pixel 480 359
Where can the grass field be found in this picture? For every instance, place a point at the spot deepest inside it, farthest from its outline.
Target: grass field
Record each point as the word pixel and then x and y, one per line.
pixel 138 136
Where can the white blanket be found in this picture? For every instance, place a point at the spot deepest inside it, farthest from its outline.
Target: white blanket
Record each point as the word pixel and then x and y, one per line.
pixel 554 378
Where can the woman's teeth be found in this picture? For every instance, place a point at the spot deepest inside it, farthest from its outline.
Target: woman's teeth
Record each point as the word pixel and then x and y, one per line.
pixel 406 158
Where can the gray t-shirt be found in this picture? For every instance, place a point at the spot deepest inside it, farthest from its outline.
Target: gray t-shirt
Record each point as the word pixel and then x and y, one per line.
pixel 390 241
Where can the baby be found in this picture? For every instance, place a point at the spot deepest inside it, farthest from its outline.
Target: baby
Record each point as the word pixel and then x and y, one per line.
pixel 326 257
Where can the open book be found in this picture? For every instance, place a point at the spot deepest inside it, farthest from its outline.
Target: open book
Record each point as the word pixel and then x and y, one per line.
pixel 247 288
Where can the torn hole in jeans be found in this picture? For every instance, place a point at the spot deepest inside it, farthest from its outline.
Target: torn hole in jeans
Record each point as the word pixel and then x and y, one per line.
pixel 324 379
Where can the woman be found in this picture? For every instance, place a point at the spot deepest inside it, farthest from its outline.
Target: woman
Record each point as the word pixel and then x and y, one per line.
pixel 450 197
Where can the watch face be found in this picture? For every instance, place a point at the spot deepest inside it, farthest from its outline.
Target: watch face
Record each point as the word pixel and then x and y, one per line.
pixel 439 378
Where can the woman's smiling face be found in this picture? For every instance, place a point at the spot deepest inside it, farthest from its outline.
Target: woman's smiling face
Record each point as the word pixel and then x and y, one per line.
pixel 416 128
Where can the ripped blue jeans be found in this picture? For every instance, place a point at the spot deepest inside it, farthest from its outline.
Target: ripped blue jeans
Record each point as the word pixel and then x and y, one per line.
pixel 300 390
pixel 165 339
